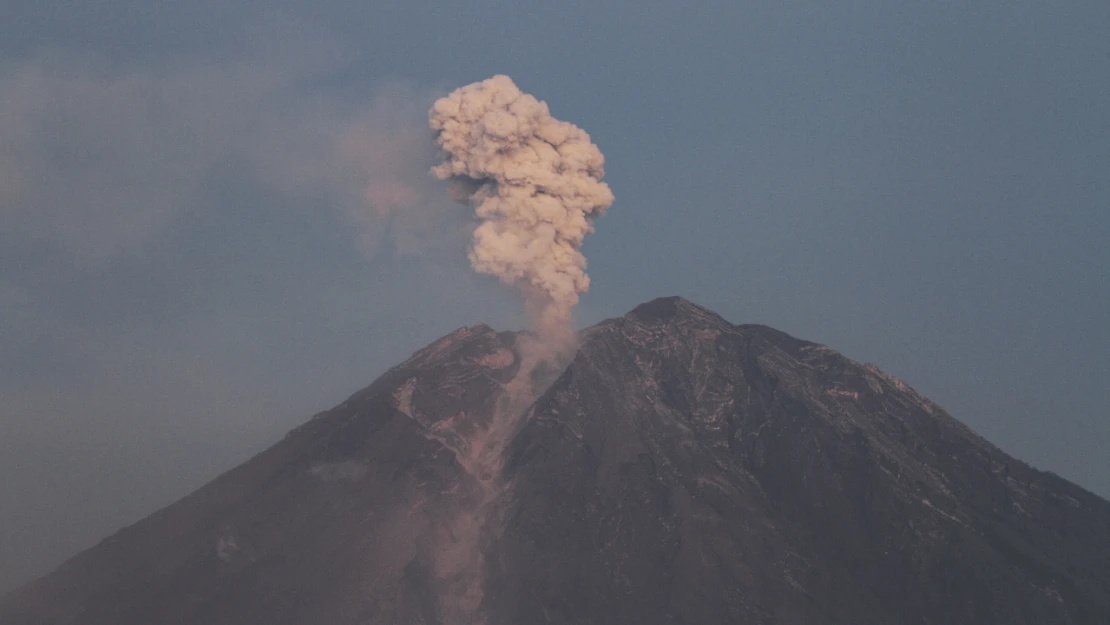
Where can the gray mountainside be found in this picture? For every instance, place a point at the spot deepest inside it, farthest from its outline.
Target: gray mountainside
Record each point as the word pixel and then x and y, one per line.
pixel 681 469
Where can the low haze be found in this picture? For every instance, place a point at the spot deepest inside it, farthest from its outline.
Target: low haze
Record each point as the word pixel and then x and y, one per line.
pixel 217 218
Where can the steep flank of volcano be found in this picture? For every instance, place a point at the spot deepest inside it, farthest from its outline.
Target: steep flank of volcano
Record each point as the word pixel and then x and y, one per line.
pixel 686 470
pixel 336 523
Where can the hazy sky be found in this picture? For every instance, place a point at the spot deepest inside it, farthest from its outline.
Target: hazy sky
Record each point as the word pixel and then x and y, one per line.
pixel 215 218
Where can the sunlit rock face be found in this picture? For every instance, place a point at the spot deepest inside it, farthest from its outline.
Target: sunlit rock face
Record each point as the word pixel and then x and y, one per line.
pixel 680 469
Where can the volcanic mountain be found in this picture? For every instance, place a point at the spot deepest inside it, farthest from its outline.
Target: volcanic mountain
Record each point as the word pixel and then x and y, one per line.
pixel 680 469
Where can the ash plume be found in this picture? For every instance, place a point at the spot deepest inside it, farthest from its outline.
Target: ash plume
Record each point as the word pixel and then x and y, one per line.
pixel 535 184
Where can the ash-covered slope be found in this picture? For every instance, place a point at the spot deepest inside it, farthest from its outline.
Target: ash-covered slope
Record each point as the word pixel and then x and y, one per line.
pixel 686 470
pixel 333 525
pixel 680 470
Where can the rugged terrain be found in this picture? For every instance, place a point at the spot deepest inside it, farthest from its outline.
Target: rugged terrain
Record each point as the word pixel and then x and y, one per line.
pixel 681 469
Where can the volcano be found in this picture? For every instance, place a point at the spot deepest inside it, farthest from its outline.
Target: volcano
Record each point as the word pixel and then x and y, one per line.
pixel 679 470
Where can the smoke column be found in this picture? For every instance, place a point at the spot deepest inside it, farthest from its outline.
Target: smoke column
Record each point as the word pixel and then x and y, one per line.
pixel 535 184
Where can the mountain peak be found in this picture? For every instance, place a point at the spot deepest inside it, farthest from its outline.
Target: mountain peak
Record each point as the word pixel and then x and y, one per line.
pixel 461 344
pixel 663 309
pixel 666 318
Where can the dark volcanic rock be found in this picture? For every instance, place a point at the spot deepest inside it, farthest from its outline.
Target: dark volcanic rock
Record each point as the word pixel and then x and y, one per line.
pixel 680 470
pixel 686 470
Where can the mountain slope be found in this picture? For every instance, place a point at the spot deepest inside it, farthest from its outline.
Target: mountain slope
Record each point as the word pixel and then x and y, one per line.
pixel 331 525
pixel 681 469
pixel 685 470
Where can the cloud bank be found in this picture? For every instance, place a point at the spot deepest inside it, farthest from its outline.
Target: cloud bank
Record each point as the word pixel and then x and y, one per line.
pixel 98 159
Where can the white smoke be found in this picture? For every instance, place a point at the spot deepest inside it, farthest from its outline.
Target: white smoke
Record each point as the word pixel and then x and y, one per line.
pixel 534 182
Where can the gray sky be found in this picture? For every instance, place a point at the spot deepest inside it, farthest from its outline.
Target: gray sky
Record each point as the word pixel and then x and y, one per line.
pixel 215 219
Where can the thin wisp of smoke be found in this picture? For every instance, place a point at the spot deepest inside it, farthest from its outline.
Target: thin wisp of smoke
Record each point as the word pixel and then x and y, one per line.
pixel 535 184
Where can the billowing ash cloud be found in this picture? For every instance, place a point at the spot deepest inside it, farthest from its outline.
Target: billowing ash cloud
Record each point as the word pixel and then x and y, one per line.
pixel 534 181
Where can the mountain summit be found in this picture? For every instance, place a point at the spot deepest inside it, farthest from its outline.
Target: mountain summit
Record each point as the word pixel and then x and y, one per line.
pixel 680 469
